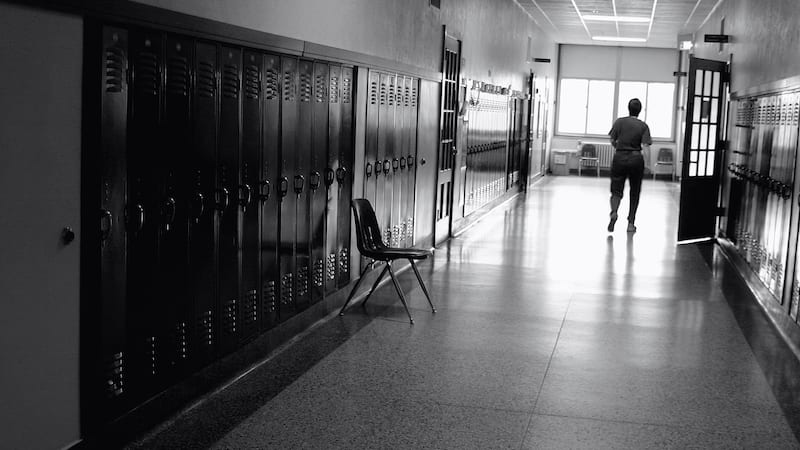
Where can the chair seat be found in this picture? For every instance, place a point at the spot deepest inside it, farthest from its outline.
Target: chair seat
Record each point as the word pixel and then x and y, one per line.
pixel 396 253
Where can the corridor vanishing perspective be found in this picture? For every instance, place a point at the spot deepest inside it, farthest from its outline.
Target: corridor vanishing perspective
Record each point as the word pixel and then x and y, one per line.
pixel 550 333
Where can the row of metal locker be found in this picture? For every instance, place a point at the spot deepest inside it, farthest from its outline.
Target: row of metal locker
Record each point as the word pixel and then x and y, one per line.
pixel 762 167
pixel 225 183
pixel 390 154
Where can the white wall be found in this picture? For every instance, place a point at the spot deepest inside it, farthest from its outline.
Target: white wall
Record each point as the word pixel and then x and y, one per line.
pixel 40 118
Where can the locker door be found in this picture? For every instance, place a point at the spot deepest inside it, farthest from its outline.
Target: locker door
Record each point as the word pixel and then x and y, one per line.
pixel 301 183
pixel 403 157
pixel 373 164
pixel 381 163
pixel 387 122
pixel 175 201
pixel 146 320
pixel 344 178
pixel 288 209
pixel 317 180
pixel 229 179
pixel 108 376
pixel 271 203
pixel 333 188
pixel 396 182
pixel 250 311
pixel 207 200
pixel 411 160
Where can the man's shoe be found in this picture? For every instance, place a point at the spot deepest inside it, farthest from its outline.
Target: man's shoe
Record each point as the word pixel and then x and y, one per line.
pixel 631 228
pixel 612 222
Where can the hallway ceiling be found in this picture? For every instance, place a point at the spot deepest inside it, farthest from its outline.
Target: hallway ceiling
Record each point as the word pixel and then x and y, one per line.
pixel 571 21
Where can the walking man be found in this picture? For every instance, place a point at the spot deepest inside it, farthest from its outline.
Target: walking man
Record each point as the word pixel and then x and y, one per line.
pixel 629 136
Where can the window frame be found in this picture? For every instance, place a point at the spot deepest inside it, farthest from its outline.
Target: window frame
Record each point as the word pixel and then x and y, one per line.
pixel 615 109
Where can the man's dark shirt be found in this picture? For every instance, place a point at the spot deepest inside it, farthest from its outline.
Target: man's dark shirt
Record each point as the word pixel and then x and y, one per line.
pixel 629 133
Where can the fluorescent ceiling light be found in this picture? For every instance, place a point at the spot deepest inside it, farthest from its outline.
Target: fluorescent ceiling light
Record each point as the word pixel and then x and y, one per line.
pixel 617 19
pixel 618 39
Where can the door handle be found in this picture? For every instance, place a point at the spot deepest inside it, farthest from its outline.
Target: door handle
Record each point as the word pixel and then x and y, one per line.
pixel 283 186
pixel 170 209
pixel 369 170
pixel 299 183
pixel 387 166
pixel 139 218
pixel 330 177
pixel 395 164
pixel 341 173
pixel 314 180
pixel 222 199
pixel 244 200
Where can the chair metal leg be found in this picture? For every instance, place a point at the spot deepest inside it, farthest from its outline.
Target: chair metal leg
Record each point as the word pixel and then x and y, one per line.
pixel 353 291
pixel 375 285
pixel 399 291
pixel 424 289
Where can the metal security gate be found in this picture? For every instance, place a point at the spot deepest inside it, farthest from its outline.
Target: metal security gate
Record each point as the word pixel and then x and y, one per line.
pixel 451 70
pixel 224 181
pixel 702 153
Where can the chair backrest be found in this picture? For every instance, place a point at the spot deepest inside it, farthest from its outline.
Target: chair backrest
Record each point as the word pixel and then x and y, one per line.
pixel 368 233
pixel 665 154
pixel 589 151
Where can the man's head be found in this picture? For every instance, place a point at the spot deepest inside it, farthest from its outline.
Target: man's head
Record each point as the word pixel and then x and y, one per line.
pixel 634 107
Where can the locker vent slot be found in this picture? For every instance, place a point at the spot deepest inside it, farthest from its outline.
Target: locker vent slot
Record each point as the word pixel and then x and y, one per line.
pixel 302 281
pixel 271 84
pixel 181 347
pixel 347 90
pixel 383 93
pixel 151 351
pixel 373 93
pixel 146 73
pixel 392 96
pixel 252 84
pixel 268 297
pixel 331 266
pixel 230 81
pixel 229 317
pixel 289 87
pixel 344 261
pixel 396 236
pixel 334 90
pixel 115 379
pixel 287 289
pixel 250 312
pixel 407 96
pixel 387 235
pixel 320 89
pixel 115 69
pixel 205 80
pixel 178 76
pixel 206 329
pixel 410 230
pixel 319 273
pixel 305 87
pixel 414 96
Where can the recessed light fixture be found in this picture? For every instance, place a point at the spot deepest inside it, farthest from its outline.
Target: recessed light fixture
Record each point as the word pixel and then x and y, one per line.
pixel 618 39
pixel 629 19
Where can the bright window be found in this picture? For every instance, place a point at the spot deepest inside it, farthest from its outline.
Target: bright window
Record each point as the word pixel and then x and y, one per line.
pixel 588 106
pixel 657 105
pixel 585 106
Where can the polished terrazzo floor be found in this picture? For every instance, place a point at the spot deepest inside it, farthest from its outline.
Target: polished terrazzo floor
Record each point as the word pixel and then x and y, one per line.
pixel 550 333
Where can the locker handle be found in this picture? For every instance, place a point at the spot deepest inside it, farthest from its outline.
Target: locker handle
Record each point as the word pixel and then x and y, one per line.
pixel 169 207
pixel 106 222
pixel 261 192
pixel 244 200
pixel 369 170
pixel 402 163
pixel 140 217
pixel 340 174
pixel 410 161
pixel 314 180
pixel 201 206
pixel 387 166
pixel 299 183
pixel 395 164
pixel 222 199
pixel 283 186
pixel 330 177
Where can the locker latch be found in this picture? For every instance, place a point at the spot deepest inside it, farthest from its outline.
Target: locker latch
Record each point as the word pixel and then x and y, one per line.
pixel 340 174
pixel 369 170
pixel 222 199
pixel 106 222
pixel 299 183
pixel 330 177
pixel 283 186
pixel 314 180
pixel 245 196
pixel 403 163
pixel 387 166
pixel 395 164
pixel 264 190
